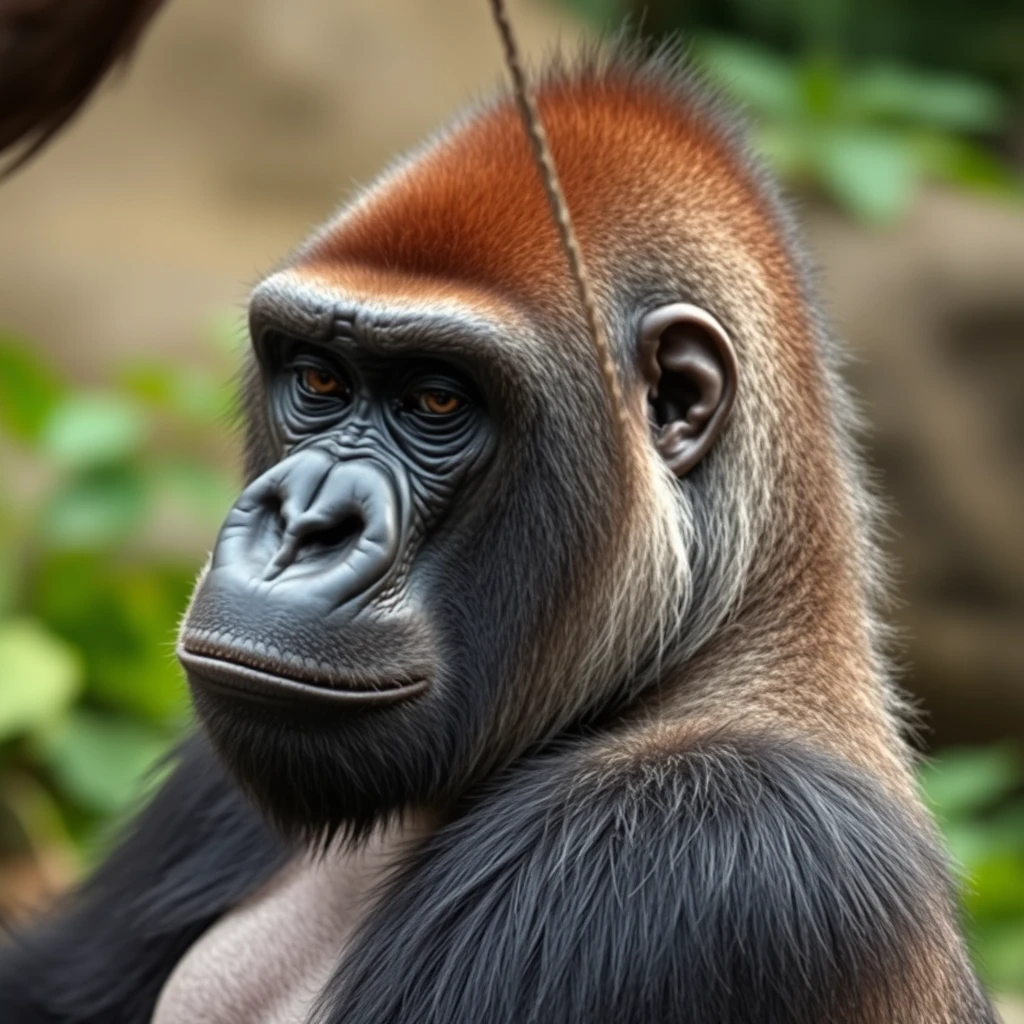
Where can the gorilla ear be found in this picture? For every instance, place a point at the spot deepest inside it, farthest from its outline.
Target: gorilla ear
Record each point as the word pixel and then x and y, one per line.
pixel 689 364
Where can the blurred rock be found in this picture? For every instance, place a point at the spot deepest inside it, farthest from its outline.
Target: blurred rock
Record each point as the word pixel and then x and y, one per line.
pixel 935 314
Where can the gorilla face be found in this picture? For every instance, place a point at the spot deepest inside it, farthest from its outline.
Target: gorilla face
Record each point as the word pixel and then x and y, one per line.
pixel 329 645
pixel 432 547
pixel 309 600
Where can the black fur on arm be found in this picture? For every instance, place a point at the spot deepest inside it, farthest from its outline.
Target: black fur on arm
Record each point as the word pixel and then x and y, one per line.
pixel 195 851
pixel 739 881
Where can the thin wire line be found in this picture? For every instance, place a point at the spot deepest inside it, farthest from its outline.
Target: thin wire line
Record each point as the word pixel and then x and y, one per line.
pixel 560 212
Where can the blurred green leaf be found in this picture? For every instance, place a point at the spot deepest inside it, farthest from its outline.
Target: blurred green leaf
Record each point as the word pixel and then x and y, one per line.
pixel 996 889
pixel 1005 827
pixel 872 173
pixel 123 619
pixel 8 569
pixel 207 492
pixel 194 397
pixel 77 566
pixel 963 163
pixel 973 840
pixel 101 761
pixel 29 389
pixel 40 676
pixel 754 76
pixel 151 383
pixel 969 778
pixel 150 687
pixel 96 508
pixel 140 673
pixel 88 430
pixel 1000 953
pixel 975 792
pixel 943 101
pixel 821 85
pixel 867 137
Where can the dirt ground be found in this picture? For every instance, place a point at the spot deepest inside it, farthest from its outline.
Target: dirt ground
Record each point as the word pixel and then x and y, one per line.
pixel 242 124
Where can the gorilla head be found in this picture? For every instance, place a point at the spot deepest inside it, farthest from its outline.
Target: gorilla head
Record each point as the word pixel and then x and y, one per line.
pixel 446 552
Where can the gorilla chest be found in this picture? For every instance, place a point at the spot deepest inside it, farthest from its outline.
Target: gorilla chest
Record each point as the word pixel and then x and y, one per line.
pixel 268 960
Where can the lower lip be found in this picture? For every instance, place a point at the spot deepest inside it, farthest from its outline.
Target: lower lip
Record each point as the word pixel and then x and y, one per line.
pixel 267 688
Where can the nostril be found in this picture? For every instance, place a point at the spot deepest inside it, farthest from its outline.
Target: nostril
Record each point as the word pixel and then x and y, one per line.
pixel 274 511
pixel 334 539
pixel 308 543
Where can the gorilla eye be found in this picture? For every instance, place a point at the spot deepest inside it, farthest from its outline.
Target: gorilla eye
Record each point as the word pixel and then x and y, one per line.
pixel 437 402
pixel 320 381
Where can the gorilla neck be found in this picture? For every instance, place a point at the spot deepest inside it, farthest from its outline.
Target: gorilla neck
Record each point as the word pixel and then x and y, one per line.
pixel 797 657
pixel 267 961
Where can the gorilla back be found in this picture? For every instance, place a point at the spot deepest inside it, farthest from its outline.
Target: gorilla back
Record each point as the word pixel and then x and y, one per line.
pixel 507 713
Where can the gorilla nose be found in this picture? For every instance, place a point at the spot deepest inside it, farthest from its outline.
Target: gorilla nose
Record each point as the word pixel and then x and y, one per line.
pixel 332 527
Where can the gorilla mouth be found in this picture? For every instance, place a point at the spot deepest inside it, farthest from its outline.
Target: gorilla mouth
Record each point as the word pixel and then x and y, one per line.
pixel 240 673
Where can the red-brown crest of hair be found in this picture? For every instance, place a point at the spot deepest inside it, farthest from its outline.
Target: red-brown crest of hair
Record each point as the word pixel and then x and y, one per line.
pixel 642 160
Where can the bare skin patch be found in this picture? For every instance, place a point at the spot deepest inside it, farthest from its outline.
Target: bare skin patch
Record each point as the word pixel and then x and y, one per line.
pixel 268 960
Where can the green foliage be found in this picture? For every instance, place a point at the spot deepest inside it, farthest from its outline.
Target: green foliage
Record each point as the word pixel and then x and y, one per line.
pixel 983 39
pixel 29 651
pixel 851 114
pixel 101 761
pixel 978 796
pixel 93 430
pixel 865 136
pixel 29 391
pixel 101 488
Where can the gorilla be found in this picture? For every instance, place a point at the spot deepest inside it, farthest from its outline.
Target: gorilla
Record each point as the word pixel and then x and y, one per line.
pixel 510 706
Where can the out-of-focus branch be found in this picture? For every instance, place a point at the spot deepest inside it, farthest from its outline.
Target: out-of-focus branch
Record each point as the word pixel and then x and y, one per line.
pixel 53 53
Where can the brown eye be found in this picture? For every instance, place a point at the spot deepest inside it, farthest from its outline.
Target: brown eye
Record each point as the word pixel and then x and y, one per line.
pixel 322 382
pixel 439 403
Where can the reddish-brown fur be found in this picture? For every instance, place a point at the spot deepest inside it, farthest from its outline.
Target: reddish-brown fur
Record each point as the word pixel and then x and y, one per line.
pixel 467 218
pixel 470 208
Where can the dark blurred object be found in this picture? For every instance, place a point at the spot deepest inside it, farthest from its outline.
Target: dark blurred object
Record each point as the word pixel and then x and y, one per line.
pixel 53 53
